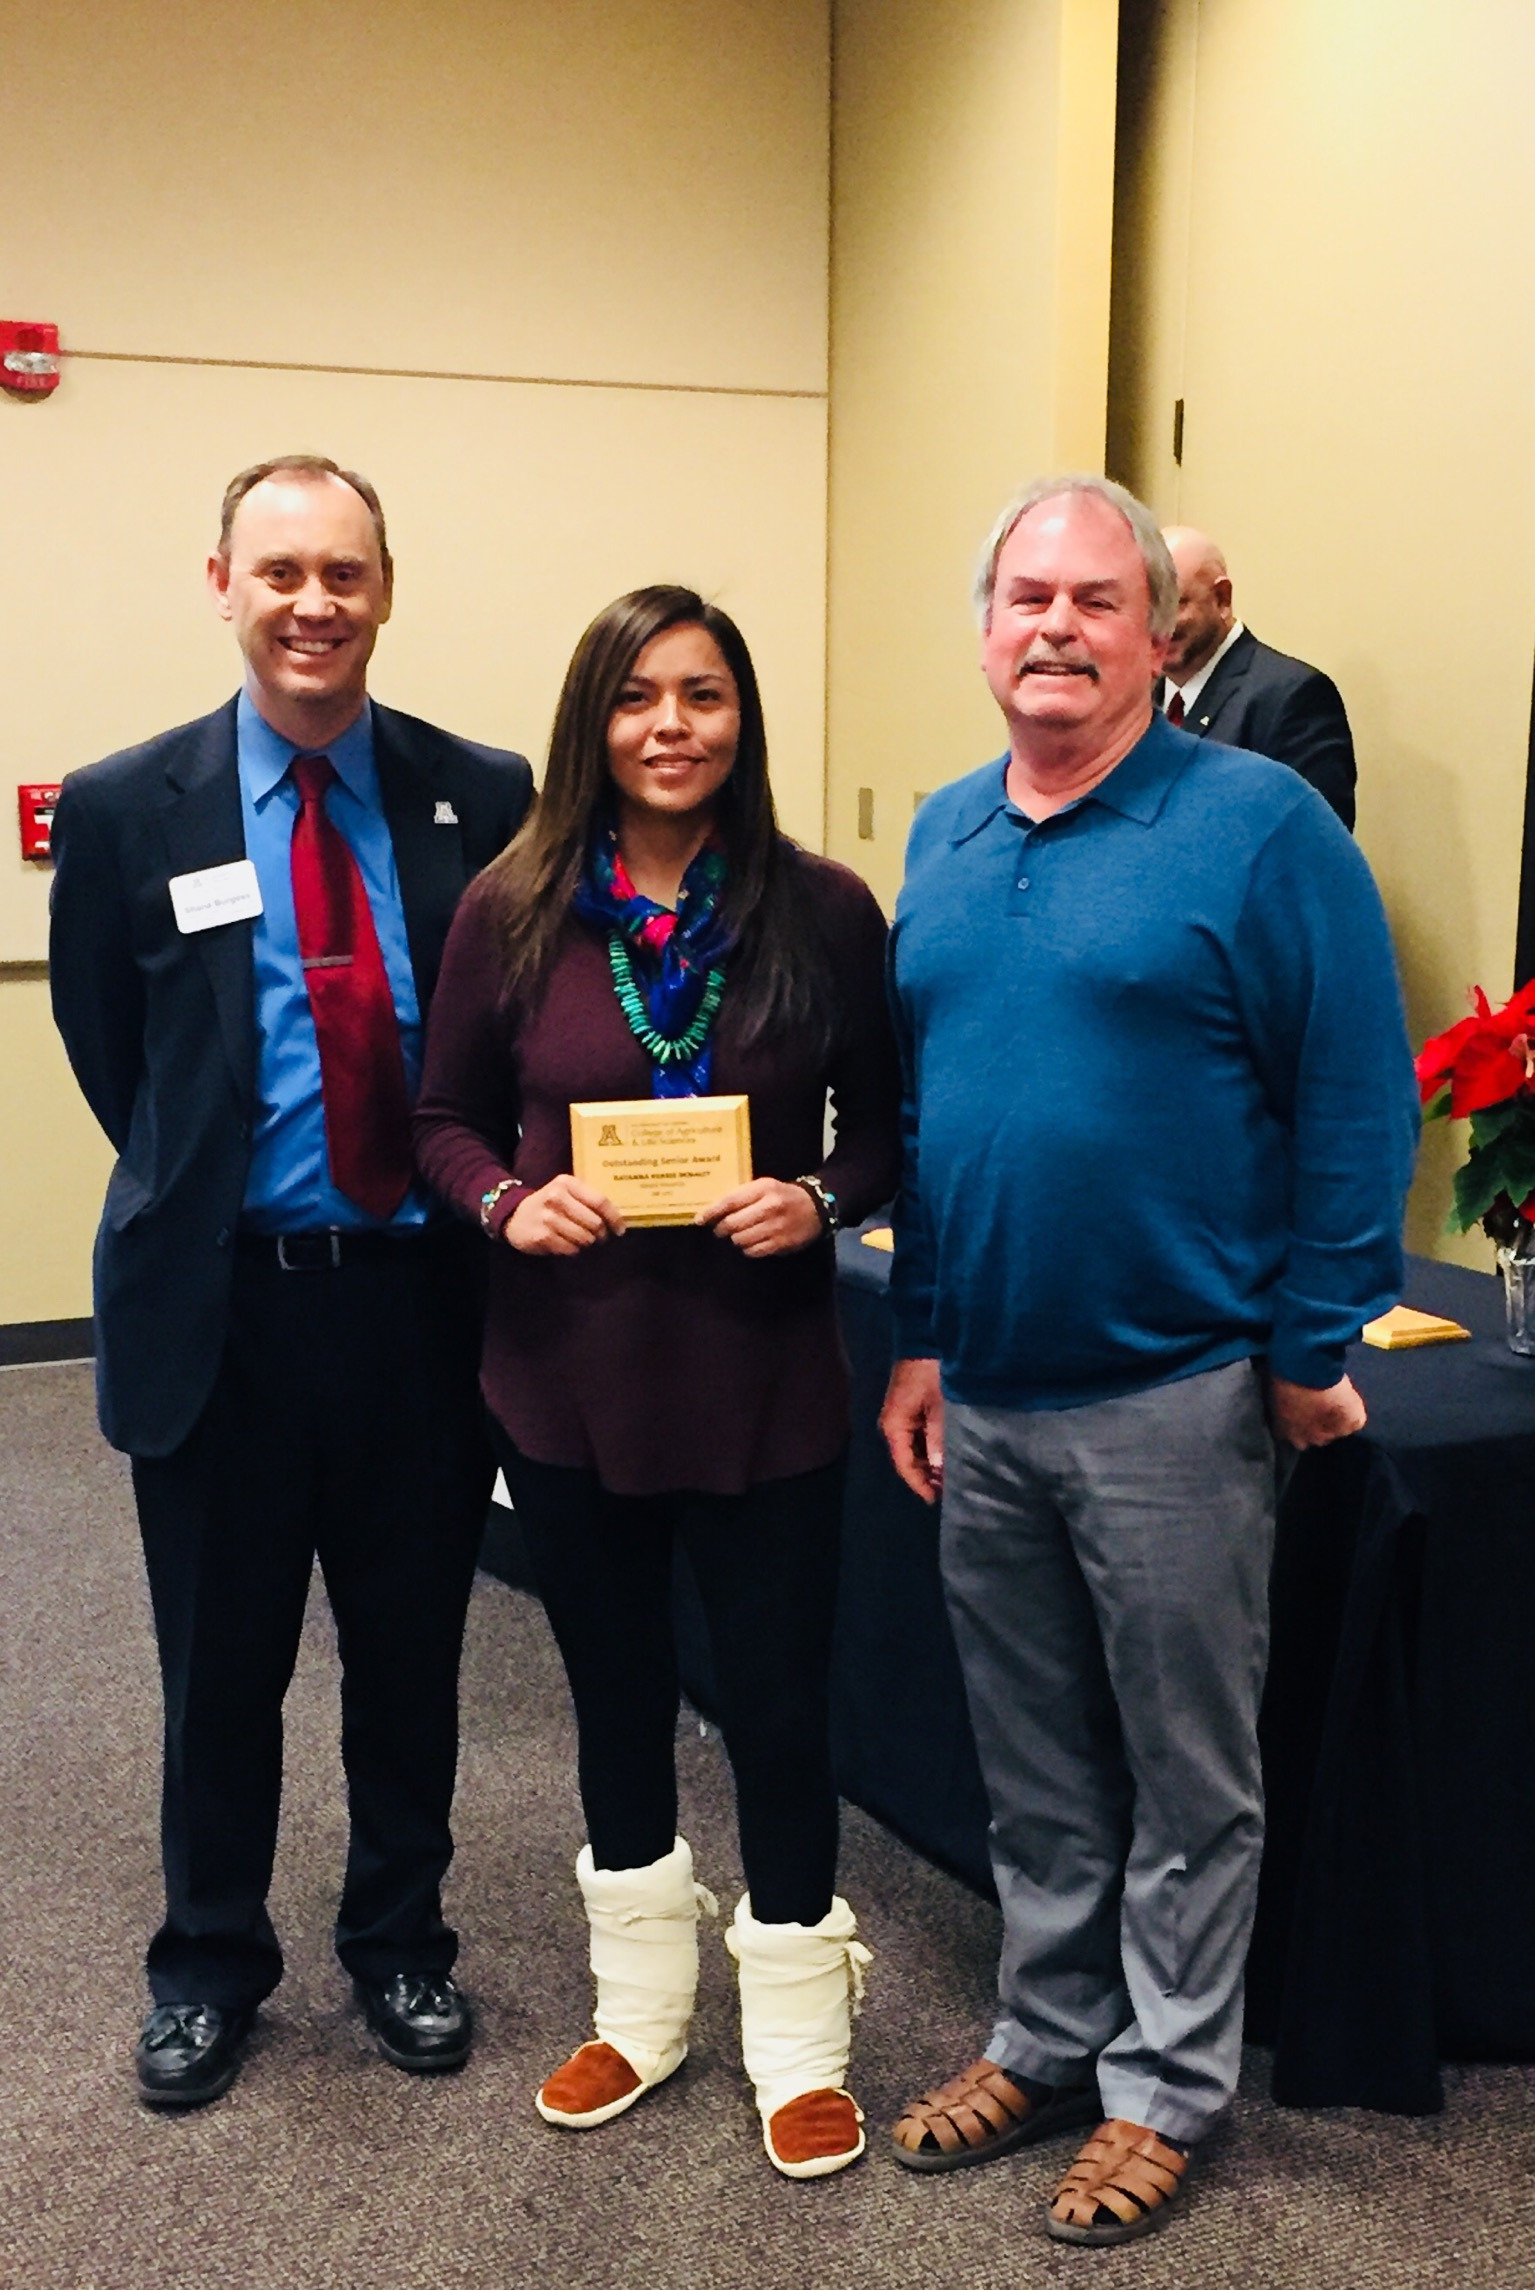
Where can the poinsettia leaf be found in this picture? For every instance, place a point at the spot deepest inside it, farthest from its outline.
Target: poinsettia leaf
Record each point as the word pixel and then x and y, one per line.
pixel 1437 1107
pixel 1477 1185
pixel 1518 1154
pixel 1489 1122
pixel 1506 1165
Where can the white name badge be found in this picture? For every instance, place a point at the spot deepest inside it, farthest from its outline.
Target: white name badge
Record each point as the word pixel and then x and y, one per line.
pixel 216 894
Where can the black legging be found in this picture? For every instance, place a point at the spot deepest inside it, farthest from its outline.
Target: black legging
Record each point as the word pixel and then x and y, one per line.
pixel 766 1567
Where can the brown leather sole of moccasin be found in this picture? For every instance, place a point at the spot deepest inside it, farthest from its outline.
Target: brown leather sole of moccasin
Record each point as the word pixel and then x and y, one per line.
pixel 815 2135
pixel 594 2085
pixel 1068 2111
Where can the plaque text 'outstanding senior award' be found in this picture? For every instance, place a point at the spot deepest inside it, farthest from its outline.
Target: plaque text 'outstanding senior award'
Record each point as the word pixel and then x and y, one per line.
pixel 662 1159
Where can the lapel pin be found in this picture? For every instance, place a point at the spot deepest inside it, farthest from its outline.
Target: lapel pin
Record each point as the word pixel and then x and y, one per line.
pixel 444 816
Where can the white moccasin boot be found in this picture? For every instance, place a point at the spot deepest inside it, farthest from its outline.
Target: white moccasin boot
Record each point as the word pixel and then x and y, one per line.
pixel 800 1986
pixel 644 1956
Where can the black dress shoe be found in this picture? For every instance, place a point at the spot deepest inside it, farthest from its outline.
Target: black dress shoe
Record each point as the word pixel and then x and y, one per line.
pixel 421 2020
pixel 188 2054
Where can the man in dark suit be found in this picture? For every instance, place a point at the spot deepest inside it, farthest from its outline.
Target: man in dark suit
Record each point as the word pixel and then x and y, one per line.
pixel 248 916
pixel 1222 684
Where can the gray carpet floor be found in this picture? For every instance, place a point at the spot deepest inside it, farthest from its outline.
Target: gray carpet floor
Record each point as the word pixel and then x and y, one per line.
pixel 326 2170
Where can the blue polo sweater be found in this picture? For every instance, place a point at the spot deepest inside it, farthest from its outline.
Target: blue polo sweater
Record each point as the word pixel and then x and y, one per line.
pixel 1160 1107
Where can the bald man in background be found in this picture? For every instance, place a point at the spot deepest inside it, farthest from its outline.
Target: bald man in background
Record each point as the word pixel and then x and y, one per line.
pixel 1220 683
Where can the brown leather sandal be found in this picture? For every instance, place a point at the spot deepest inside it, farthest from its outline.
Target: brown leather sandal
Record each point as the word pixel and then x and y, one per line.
pixel 1123 2183
pixel 981 2113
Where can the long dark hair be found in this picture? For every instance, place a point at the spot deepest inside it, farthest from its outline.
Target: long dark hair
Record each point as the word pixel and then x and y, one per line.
pixel 778 974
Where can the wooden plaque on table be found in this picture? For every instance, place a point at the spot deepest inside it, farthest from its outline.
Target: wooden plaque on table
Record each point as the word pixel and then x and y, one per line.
pixel 662 1159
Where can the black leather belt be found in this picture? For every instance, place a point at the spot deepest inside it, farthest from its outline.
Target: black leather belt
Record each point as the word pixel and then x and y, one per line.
pixel 330 1250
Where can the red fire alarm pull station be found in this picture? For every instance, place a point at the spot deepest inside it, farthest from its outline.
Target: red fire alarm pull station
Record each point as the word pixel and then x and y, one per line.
pixel 29 358
pixel 37 807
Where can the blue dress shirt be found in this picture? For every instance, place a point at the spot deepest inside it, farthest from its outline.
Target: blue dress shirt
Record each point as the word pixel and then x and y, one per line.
pixel 288 1188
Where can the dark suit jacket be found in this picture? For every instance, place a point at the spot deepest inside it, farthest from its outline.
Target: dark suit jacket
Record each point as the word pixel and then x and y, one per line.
pixel 1263 700
pixel 160 1026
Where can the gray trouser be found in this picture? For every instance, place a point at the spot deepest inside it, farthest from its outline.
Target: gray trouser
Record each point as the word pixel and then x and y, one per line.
pixel 1107 1569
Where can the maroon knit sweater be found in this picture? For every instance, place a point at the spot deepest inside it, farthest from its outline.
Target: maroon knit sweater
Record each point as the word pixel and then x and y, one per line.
pixel 664 1359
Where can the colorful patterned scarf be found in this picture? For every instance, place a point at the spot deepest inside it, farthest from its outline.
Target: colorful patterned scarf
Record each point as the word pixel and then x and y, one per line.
pixel 672 952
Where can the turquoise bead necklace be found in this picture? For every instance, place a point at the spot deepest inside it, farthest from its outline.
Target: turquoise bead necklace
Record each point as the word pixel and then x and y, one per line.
pixel 632 1002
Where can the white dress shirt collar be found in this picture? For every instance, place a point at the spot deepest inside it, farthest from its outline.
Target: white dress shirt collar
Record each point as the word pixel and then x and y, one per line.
pixel 1197 682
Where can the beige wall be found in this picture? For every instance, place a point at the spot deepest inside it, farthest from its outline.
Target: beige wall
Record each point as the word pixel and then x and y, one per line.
pixel 626 190
pixel 54 1164
pixel 1325 236
pixel 971 231
pixel 606 218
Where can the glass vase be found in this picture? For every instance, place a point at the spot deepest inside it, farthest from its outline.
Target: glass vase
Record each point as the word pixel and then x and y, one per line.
pixel 1519 1297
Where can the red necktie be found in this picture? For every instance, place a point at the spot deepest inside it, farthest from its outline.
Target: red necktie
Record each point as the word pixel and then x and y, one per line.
pixel 1175 709
pixel 362 1068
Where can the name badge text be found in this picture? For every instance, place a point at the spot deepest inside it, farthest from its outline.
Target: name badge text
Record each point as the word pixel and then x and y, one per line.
pixel 216 894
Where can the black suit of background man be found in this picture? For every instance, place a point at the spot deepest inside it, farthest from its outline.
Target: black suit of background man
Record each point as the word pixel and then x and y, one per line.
pixel 1254 697
pixel 277 1414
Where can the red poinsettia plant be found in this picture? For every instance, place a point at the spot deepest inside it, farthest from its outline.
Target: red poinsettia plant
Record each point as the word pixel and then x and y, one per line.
pixel 1484 1068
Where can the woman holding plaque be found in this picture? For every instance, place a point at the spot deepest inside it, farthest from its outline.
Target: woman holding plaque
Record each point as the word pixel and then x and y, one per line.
pixel 651 935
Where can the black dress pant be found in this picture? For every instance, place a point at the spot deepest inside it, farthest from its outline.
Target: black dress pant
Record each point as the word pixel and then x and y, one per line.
pixel 345 1424
pixel 766 1564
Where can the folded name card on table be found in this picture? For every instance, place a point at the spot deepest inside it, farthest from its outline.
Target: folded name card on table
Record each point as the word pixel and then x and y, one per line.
pixel 1401 1327
pixel 880 1237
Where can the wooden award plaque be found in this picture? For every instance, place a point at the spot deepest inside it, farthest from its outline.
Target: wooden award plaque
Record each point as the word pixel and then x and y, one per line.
pixel 662 1159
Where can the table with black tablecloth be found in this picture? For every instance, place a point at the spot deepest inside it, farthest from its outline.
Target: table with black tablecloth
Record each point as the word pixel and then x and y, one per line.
pixel 1397 1908
pixel 1398 1902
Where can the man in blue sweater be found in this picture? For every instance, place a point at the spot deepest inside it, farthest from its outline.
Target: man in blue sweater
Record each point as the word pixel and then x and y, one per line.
pixel 1160 1122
